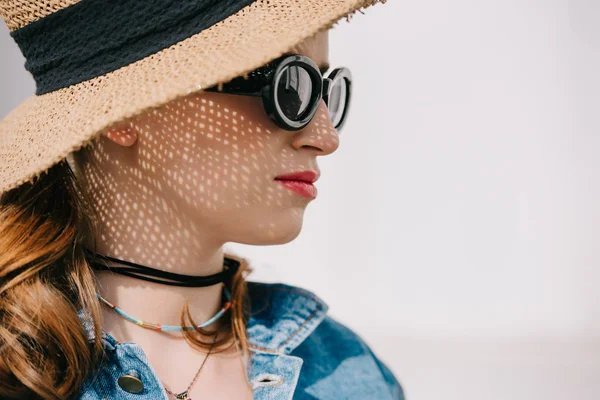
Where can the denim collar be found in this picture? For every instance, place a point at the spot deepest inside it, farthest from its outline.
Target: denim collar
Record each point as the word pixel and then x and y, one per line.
pixel 281 317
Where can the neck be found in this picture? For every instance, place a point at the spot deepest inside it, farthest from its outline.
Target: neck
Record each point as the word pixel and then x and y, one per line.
pixel 152 302
pixel 135 221
pixel 155 302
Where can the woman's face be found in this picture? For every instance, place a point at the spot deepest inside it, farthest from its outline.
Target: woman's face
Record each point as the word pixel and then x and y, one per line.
pixel 210 160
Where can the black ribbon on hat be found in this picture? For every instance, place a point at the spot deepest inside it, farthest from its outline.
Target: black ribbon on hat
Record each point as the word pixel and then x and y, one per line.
pixel 93 37
pixel 230 268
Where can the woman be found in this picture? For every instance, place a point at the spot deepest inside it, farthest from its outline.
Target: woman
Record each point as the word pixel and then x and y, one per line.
pixel 122 179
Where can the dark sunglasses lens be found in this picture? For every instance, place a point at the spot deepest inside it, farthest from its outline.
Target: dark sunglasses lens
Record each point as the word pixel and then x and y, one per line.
pixel 337 101
pixel 294 91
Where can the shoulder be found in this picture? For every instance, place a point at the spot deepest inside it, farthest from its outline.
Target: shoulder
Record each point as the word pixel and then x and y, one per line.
pixel 332 353
pixel 282 316
pixel 344 358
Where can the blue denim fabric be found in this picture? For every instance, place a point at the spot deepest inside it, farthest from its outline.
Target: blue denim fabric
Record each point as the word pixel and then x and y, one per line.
pixel 297 352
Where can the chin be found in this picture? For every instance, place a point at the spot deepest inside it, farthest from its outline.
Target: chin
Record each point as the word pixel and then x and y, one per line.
pixel 271 231
pixel 284 237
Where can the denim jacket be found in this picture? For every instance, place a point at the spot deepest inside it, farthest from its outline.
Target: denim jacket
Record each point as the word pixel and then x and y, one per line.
pixel 297 351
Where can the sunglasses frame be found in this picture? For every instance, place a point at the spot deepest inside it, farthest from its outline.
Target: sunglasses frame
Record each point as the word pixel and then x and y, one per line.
pixel 329 84
pixel 263 82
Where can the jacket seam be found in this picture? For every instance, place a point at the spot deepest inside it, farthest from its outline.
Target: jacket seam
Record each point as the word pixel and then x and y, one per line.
pixel 306 321
pixel 276 351
pixel 295 332
pixel 310 317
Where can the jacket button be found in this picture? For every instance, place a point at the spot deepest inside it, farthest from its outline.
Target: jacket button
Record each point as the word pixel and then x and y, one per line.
pixel 130 382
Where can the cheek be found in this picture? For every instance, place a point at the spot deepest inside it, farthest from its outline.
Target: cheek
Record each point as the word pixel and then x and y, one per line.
pixel 216 153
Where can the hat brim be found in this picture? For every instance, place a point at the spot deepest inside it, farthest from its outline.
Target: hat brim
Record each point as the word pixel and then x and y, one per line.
pixel 44 129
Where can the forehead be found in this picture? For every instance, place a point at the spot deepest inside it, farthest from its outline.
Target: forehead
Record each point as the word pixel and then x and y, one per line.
pixel 316 48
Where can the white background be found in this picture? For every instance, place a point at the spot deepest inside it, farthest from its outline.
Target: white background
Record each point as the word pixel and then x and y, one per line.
pixel 457 226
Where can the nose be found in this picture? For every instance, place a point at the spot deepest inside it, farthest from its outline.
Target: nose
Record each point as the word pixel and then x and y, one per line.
pixel 319 134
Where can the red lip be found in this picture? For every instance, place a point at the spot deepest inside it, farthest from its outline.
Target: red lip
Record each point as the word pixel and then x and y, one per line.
pixel 300 182
pixel 305 176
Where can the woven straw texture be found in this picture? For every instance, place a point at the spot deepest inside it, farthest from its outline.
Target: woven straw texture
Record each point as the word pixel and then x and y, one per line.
pixel 18 13
pixel 44 129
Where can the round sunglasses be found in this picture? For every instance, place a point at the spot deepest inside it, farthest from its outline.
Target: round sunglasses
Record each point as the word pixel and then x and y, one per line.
pixel 292 87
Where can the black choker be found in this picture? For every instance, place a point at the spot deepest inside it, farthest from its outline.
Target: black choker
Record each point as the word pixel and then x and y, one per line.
pixel 230 265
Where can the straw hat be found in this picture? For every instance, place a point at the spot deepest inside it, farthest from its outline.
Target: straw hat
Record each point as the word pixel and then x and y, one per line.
pixel 98 62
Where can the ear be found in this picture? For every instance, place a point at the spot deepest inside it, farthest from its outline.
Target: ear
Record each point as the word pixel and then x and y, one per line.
pixel 121 135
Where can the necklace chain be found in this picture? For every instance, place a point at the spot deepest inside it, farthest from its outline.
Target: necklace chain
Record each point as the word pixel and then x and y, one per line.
pixel 184 395
pixel 230 269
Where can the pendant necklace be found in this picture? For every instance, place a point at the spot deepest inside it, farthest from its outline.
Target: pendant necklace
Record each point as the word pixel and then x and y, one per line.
pixel 184 395
pixel 138 271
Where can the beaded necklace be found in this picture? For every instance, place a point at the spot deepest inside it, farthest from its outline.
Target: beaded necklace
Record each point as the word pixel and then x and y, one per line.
pixel 231 267
pixel 169 328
